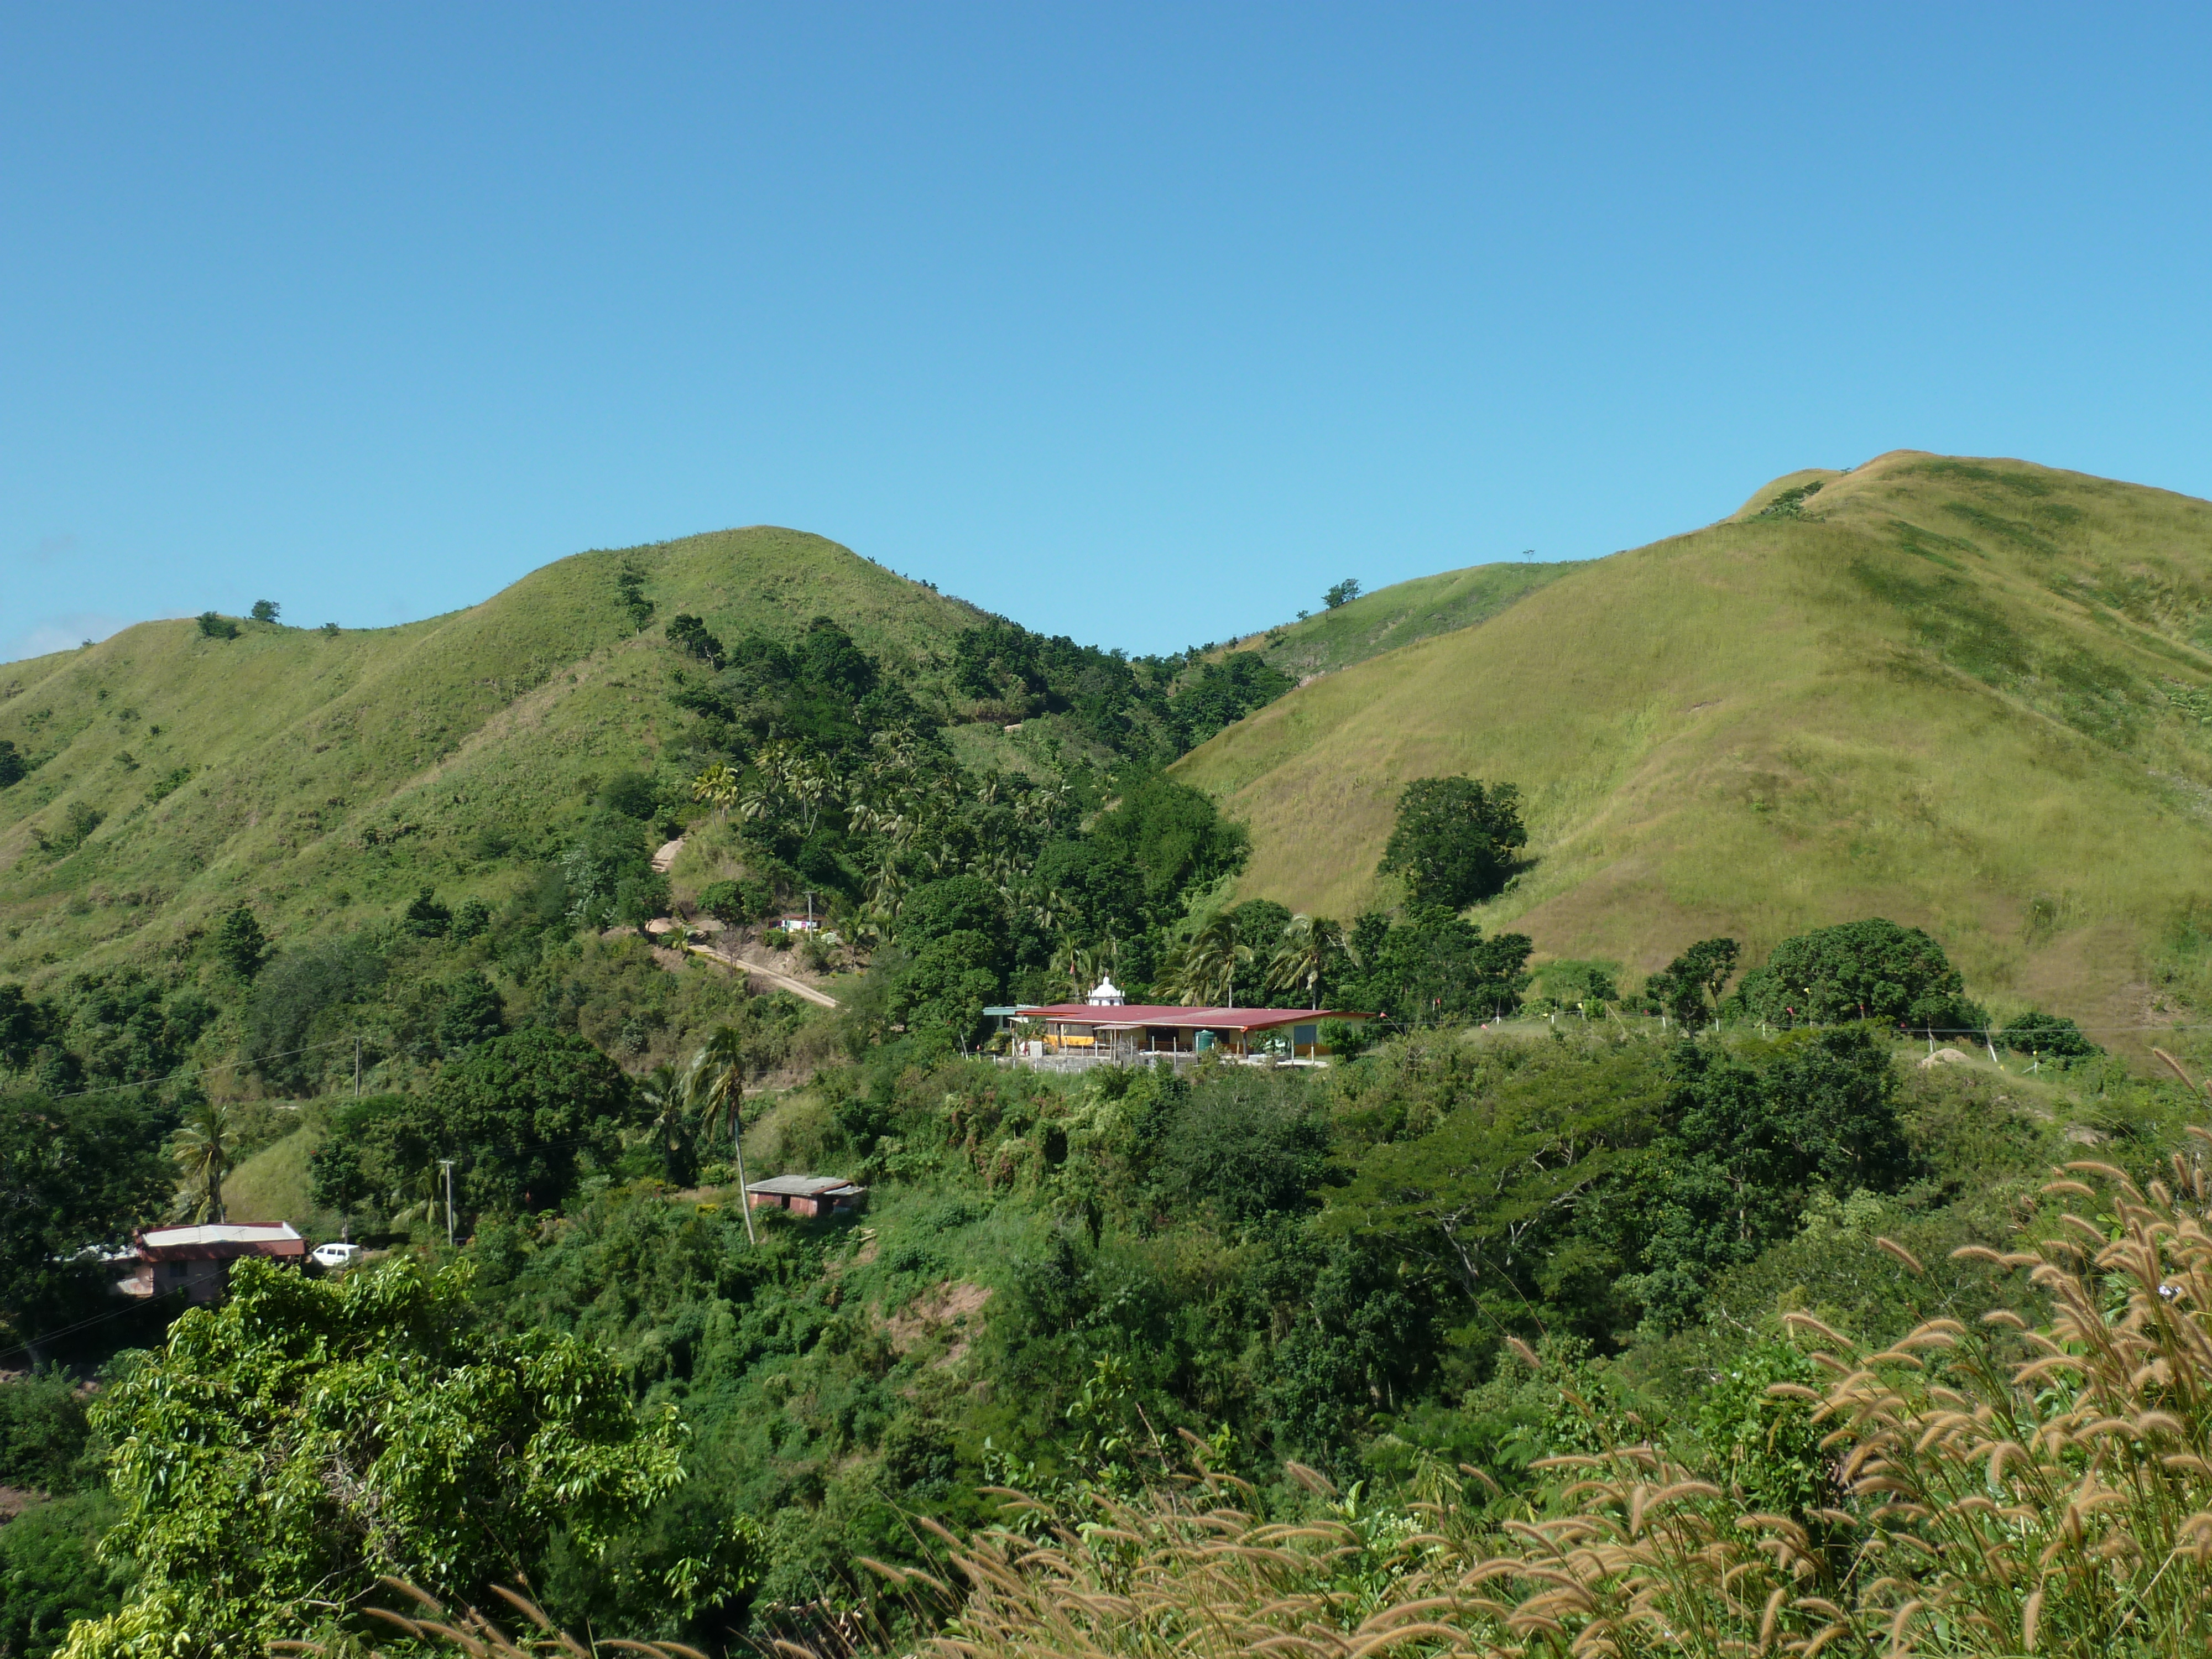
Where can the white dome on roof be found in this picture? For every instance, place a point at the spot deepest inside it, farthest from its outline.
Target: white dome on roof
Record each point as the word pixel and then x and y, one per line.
pixel 1106 994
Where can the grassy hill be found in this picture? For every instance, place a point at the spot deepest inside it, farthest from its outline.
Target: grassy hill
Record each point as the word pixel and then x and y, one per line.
pixel 317 773
pixel 1400 615
pixel 1968 695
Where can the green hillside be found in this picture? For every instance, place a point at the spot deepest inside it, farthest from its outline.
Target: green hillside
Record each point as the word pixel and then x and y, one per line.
pixel 317 773
pixel 1967 694
pixel 1400 615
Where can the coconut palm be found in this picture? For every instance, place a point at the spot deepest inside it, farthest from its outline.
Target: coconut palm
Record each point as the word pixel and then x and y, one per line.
pixel 715 1085
pixel 205 1150
pixel 718 786
pixel 662 1089
pixel 1310 945
pixel 1205 975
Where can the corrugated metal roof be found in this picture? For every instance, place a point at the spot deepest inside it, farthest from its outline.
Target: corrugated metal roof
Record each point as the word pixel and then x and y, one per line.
pixel 1181 1019
pixel 797 1186
pixel 165 1238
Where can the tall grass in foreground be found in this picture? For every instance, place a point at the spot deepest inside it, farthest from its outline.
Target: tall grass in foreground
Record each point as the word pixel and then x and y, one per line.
pixel 1998 1490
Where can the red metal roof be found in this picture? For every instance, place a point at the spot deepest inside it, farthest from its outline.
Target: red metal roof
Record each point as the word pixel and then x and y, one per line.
pixel 1182 1018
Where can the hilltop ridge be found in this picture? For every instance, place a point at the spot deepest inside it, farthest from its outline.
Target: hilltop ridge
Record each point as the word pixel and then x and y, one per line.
pixel 314 772
pixel 1966 694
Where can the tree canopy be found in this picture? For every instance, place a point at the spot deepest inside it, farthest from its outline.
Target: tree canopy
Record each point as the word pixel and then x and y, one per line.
pixel 280 1452
pixel 1455 839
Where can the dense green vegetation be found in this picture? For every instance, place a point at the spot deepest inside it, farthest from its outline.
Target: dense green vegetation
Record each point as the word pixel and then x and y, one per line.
pixel 357 939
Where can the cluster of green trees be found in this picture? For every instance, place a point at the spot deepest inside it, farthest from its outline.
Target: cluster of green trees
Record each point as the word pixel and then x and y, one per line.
pixel 682 1430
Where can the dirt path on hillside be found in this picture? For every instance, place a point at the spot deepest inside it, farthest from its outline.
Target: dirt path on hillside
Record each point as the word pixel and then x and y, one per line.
pixel 776 977
pixel 665 860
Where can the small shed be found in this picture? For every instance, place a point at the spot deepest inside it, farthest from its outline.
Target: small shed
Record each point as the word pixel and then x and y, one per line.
pixel 197 1260
pixel 807 1194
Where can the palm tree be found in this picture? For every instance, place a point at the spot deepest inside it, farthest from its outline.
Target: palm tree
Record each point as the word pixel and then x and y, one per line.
pixel 204 1150
pixel 663 1090
pixel 718 786
pixel 1311 944
pixel 715 1085
pixel 1208 964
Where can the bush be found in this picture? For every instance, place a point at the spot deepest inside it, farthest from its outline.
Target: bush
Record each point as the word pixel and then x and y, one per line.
pixel 42 1435
pixel 214 626
pixel 50 1573
pixel 12 768
pixel 632 794
pixel 425 917
pixel 2047 1033
pixel 471 918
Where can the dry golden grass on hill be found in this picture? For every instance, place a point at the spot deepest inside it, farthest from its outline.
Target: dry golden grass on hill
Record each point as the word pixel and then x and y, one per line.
pixel 1964 694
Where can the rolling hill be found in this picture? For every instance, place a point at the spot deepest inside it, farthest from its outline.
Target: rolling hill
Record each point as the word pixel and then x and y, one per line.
pixel 315 772
pixel 1971 695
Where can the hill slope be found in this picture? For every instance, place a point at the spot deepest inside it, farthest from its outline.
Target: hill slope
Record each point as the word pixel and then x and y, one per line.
pixel 1400 615
pixel 314 773
pixel 1970 695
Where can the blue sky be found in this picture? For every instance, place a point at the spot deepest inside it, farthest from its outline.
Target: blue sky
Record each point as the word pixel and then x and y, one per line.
pixel 1138 322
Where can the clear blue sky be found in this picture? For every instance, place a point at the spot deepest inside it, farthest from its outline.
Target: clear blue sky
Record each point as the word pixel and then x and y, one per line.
pixel 1139 323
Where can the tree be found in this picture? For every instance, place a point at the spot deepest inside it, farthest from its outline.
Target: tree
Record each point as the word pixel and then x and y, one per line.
pixel 205 1151
pixel 1205 973
pixel 1175 837
pixel 425 917
pixel 73 1173
pixel 1436 967
pixel 1342 594
pixel 25 1022
pixel 724 900
pixel 689 634
pixel 264 610
pixel 472 1014
pixel 1689 987
pixel 1455 839
pixel 2032 1033
pixel 216 627
pixel 1311 948
pixel 12 768
pixel 240 943
pixel 716 1085
pixel 1870 969
pixel 1747 1143
pixel 522 1112
pixel 471 918
pixel 280 1453
pixel 663 1092
pixel 717 787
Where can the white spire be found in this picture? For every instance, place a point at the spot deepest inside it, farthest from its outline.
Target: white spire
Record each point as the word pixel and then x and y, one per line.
pixel 1106 994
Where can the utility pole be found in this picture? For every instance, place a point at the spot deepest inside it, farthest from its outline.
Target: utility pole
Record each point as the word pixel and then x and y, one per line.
pixel 446 1165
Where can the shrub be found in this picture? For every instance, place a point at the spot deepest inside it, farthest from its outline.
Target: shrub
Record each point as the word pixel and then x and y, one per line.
pixel 214 626
pixel 12 768
pixel 724 900
pixel 425 917
pixel 2047 1033
pixel 632 794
